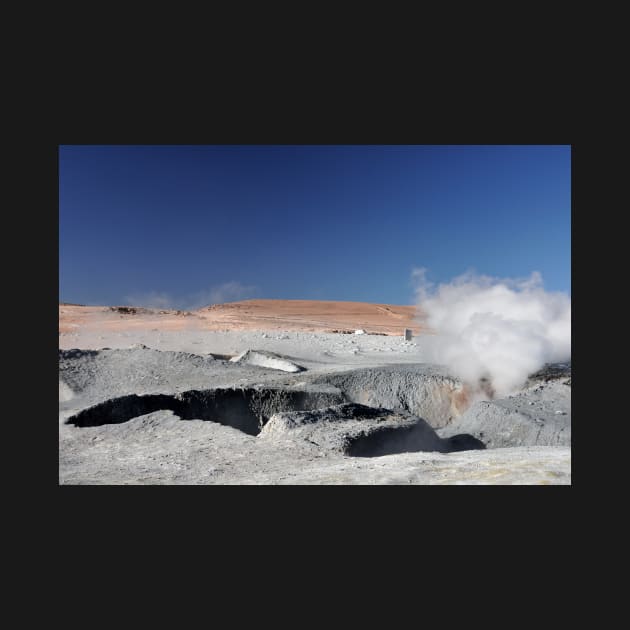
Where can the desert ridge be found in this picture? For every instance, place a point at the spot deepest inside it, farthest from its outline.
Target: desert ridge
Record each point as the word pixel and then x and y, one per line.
pixel 288 315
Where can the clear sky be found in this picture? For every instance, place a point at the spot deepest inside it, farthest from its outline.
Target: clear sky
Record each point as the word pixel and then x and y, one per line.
pixel 181 226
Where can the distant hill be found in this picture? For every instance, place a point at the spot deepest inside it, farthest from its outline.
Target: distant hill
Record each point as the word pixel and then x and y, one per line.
pixel 290 315
pixel 319 315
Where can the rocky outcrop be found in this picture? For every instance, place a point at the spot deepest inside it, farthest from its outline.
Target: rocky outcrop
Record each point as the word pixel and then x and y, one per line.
pixel 539 416
pixel 262 358
pixel 422 390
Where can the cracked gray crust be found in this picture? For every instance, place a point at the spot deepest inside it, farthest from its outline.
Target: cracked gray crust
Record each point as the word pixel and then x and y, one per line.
pixel 323 425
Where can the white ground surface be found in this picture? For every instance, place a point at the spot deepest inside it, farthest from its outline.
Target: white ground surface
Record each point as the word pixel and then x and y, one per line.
pixel 171 451
pixel 320 351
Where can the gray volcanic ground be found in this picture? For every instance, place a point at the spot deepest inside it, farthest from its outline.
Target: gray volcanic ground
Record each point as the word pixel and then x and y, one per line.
pixel 170 407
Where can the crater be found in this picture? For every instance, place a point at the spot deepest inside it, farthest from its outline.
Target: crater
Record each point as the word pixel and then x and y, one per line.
pixel 246 409
pixel 394 440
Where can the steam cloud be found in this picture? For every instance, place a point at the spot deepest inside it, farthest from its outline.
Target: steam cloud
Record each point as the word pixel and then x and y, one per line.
pixel 499 329
pixel 227 292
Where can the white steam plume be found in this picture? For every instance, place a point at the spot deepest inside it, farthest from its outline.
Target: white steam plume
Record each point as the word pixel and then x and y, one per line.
pixel 227 292
pixel 499 329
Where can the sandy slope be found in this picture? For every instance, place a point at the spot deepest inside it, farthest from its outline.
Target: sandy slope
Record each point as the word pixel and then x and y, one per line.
pixel 290 315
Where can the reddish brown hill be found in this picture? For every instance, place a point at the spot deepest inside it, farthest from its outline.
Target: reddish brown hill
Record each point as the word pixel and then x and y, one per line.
pixel 305 315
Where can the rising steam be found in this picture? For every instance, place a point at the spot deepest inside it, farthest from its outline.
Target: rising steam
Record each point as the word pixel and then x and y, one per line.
pixel 501 330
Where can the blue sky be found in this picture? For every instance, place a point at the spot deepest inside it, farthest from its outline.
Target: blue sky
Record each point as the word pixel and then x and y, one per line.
pixel 180 226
